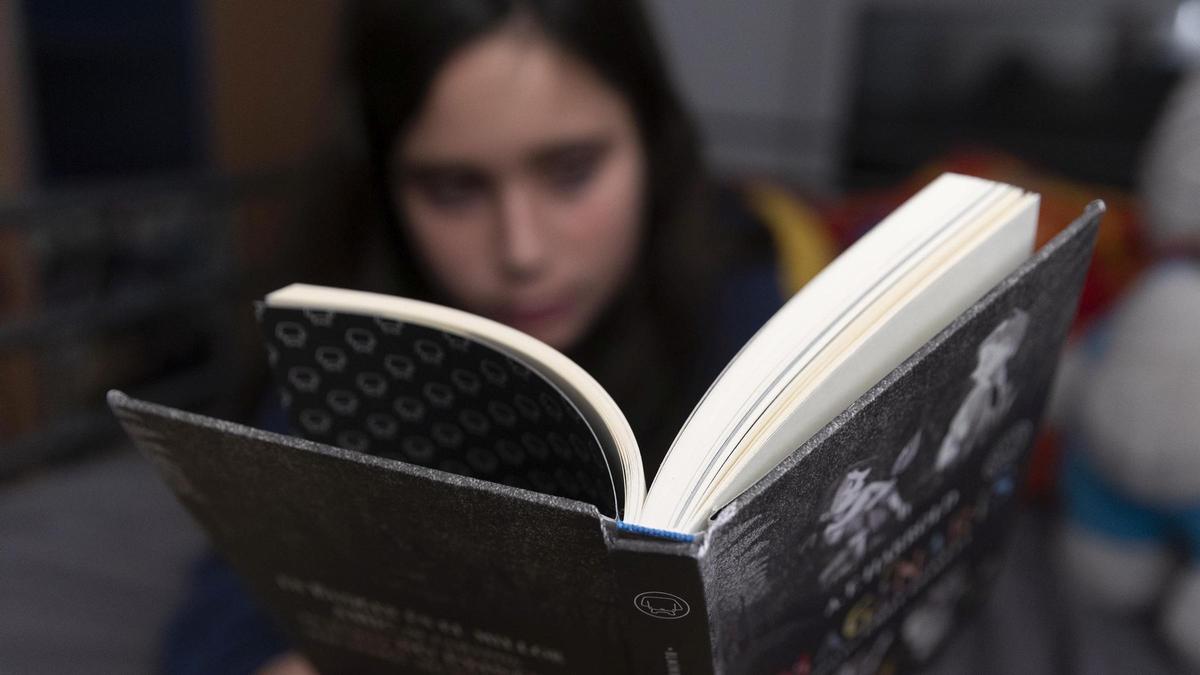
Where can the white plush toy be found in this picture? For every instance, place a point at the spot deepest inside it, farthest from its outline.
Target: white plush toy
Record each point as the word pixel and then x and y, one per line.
pixel 1128 399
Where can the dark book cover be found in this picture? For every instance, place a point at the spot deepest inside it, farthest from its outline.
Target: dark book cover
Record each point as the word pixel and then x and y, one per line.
pixel 856 554
pixel 894 516
pixel 374 565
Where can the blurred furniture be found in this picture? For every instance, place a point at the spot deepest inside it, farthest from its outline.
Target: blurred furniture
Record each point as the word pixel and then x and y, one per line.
pixel 1072 87
pixel 157 170
pixel 108 288
pixel 830 95
pixel 135 286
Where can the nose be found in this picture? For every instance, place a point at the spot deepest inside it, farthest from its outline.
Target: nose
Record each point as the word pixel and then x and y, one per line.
pixel 523 243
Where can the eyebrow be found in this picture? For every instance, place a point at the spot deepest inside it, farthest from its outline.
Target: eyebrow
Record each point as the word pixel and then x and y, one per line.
pixel 549 152
pixel 541 156
pixel 426 169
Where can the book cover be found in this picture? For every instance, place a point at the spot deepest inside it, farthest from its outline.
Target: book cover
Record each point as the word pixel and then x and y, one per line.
pixel 894 515
pixel 374 565
pixel 855 554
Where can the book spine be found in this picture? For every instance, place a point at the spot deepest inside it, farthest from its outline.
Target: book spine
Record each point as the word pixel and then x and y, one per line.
pixel 663 605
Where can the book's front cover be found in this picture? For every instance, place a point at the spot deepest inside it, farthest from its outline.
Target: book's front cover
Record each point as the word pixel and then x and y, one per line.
pixel 376 566
pixel 859 551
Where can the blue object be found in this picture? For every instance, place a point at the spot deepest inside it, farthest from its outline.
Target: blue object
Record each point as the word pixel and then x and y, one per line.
pixel 219 628
pixel 654 532
pixel 1100 507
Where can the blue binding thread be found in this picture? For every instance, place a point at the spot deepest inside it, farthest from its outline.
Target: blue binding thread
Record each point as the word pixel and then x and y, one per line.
pixel 650 531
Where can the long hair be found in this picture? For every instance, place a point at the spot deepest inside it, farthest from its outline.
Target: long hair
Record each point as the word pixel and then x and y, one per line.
pixel 643 348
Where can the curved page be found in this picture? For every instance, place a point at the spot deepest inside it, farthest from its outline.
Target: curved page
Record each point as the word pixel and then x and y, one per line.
pixel 749 381
pixel 600 413
pixel 913 311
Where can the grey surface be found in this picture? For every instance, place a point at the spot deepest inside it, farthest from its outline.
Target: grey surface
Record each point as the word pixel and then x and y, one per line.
pixel 92 560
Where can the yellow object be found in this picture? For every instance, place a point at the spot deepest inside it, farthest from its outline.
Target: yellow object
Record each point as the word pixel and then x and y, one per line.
pixel 802 245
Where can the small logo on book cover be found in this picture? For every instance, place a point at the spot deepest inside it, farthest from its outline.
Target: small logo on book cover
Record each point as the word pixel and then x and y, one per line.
pixel 661 605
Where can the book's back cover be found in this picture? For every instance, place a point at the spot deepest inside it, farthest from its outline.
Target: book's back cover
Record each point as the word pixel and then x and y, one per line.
pixel 380 567
pixel 859 550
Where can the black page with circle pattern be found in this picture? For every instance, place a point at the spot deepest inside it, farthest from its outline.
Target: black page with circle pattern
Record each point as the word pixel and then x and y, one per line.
pixel 429 397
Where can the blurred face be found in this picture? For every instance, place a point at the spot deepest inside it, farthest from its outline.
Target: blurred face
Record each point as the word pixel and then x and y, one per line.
pixel 522 183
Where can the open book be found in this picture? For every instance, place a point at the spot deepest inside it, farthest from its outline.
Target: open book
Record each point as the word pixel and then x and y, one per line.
pixel 431 385
pixel 465 499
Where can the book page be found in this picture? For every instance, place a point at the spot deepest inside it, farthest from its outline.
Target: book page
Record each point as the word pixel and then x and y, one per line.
pixel 810 319
pixel 598 410
pixel 927 300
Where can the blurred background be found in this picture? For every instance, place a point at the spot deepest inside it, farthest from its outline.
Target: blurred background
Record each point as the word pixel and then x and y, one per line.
pixel 165 162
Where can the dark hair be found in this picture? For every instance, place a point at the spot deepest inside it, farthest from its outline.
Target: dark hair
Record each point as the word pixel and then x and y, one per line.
pixel 641 349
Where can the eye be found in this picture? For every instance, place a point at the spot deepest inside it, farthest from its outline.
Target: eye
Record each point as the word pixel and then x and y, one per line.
pixel 448 188
pixel 570 169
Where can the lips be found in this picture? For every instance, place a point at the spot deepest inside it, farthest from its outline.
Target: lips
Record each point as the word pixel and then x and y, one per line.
pixel 535 314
